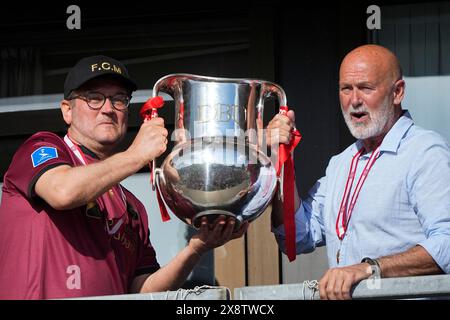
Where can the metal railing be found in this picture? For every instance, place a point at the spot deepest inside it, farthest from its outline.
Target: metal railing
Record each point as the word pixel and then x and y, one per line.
pixel 388 288
pixel 198 293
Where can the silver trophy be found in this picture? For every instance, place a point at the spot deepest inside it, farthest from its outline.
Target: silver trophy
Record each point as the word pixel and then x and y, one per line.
pixel 219 165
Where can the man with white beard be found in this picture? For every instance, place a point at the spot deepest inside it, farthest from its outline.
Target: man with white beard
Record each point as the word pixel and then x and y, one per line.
pixel 383 206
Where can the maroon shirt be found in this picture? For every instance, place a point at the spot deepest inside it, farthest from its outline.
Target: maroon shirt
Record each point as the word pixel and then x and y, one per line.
pixel 46 253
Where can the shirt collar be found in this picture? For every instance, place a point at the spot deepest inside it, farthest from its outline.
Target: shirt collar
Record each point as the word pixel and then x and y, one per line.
pixel 391 141
pixel 88 152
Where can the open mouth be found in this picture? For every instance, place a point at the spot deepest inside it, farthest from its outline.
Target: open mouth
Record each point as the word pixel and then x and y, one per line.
pixel 359 116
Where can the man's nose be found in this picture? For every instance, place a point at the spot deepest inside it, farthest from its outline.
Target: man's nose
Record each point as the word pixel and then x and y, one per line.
pixel 356 98
pixel 108 106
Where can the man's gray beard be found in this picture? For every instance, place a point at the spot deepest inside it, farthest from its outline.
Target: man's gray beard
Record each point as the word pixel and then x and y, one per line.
pixel 375 126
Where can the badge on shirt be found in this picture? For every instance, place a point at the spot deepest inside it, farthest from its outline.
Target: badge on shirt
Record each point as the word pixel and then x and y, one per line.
pixel 43 154
pixel 93 211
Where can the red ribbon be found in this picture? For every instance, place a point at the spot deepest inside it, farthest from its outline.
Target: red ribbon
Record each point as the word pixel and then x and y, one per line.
pixel 150 108
pixel 285 158
pixel 162 207
pixel 149 111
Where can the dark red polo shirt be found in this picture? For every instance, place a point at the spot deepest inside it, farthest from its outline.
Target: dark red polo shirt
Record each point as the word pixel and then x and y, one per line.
pixel 46 253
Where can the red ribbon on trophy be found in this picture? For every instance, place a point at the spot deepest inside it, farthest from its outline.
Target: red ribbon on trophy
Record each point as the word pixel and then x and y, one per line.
pixel 285 158
pixel 149 111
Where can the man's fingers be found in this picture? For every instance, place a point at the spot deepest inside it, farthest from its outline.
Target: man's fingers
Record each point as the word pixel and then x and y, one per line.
pixel 323 287
pixel 338 285
pixel 164 132
pixel 330 288
pixel 243 229
pixel 279 120
pixel 227 233
pixel 346 288
pixel 218 225
pixel 279 129
pixel 283 137
pixel 157 121
pixel 204 225
pixel 284 120
pixel 284 128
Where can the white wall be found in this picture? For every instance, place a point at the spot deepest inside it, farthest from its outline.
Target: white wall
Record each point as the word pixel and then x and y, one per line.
pixel 428 100
pixel 168 238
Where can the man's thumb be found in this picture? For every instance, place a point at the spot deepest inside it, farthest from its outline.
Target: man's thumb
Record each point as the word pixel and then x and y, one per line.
pixel 291 116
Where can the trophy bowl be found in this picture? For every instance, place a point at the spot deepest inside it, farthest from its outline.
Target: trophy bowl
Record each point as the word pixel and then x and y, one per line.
pixel 219 164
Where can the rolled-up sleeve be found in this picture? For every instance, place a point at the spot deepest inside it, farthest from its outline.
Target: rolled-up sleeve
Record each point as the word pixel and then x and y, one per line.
pixel 429 182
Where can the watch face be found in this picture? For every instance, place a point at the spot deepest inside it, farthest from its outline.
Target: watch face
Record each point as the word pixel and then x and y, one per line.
pixel 376 272
pixel 372 267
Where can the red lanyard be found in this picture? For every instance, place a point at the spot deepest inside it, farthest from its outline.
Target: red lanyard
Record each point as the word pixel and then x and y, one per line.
pixel 345 214
pixel 75 149
pixel 79 154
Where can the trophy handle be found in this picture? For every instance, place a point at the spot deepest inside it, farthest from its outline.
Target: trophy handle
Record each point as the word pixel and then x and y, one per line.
pixel 286 177
pixel 160 173
pixel 273 90
pixel 149 111
pixel 167 85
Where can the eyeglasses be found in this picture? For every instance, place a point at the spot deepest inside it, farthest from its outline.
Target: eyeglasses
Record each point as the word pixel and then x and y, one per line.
pixel 96 100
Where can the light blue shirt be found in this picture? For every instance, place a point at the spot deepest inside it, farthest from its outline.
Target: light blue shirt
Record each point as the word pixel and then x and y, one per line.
pixel 405 201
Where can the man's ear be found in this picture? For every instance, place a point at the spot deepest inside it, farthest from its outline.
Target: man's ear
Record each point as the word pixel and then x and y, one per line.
pixel 66 110
pixel 399 91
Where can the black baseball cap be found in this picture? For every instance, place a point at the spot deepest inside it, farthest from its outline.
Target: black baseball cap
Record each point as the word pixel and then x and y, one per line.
pixel 95 66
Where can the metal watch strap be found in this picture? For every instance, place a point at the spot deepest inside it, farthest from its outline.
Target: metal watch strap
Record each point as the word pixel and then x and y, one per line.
pixel 374 265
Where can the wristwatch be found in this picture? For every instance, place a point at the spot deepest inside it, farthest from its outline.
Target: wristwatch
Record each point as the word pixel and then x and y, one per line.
pixel 374 266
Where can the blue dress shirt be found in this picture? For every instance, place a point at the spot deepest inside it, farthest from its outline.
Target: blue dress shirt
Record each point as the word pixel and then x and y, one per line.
pixel 405 201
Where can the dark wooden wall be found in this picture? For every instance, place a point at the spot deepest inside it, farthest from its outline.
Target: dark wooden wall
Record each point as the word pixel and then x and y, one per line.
pixel 311 45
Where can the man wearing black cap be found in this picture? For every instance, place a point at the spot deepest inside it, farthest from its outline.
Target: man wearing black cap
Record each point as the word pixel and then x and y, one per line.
pixel 67 226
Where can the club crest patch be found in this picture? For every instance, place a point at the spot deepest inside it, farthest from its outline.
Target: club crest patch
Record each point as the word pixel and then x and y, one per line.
pixel 43 154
